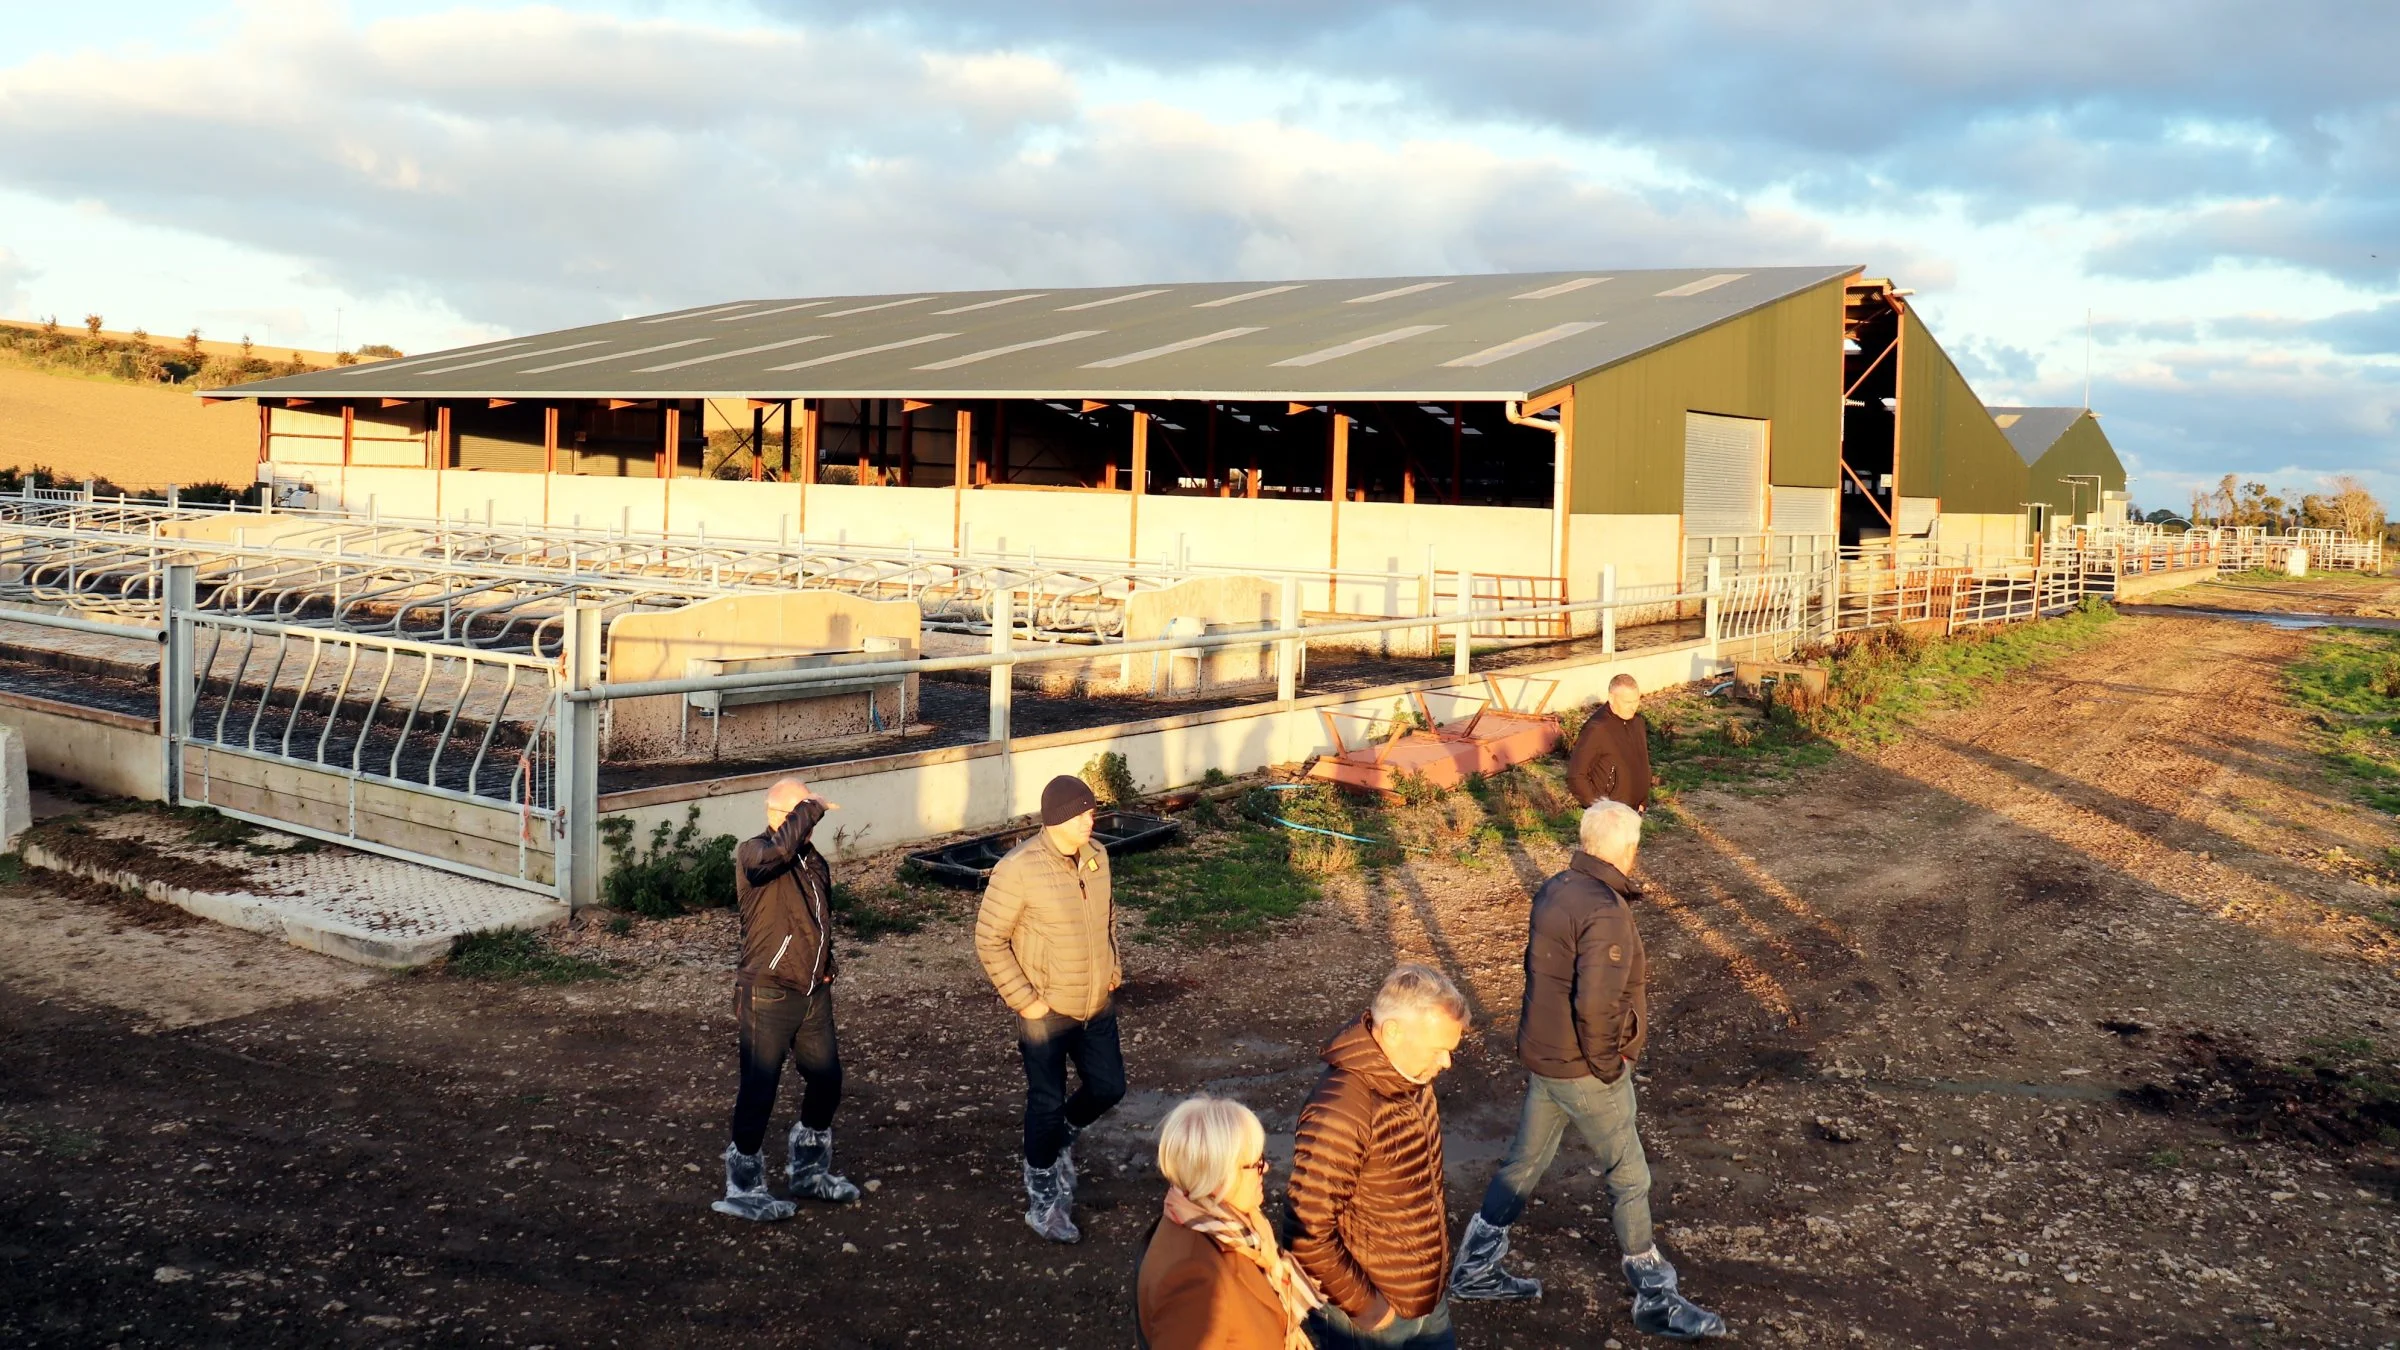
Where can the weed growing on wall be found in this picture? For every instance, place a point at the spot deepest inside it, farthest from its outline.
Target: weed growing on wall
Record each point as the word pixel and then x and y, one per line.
pixel 680 872
pixel 1110 778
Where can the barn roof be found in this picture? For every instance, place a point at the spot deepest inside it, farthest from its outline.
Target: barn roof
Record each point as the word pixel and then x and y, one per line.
pixel 1494 336
pixel 2034 430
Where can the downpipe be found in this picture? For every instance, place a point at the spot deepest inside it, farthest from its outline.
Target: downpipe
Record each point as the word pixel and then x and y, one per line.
pixel 1514 410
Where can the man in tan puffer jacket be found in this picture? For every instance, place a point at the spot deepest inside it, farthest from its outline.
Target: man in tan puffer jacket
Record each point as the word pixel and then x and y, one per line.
pixel 1367 1219
pixel 1046 935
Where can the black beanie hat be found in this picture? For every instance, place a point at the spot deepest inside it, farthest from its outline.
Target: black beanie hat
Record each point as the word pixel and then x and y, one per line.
pixel 1066 798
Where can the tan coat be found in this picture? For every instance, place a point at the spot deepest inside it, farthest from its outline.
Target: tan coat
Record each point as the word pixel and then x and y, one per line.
pixel 1367 1210
pixel 1193 1294
pixel 1047 929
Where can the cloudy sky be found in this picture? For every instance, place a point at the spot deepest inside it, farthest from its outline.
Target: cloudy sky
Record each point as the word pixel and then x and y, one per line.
pixel 2216 183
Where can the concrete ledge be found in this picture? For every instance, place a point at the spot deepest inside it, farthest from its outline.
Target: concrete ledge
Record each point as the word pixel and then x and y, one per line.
pixel 2135 587
pixel 293 920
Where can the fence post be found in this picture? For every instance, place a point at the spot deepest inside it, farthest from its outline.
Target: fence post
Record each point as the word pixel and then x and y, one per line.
pixel 1003 676
pixel 1462 647
pixel 1608 617
pixel 1287 648
pixel 1708 612
pixel 576 787
pixel 175 675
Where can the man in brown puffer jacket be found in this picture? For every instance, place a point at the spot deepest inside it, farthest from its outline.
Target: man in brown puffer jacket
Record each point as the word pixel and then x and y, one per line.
pixel 1585 1020
pixel 1046 935
pixel 1367 1218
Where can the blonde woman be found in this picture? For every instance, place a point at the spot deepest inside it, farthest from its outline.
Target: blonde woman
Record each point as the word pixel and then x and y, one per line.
pixel 1213 1277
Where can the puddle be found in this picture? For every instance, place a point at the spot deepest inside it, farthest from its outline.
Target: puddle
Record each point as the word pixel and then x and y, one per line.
pixel 2270 618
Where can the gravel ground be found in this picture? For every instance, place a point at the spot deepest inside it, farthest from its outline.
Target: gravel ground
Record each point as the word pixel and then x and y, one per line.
pixel 1993 1037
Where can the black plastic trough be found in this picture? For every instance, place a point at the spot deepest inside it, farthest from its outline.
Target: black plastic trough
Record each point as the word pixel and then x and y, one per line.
pixel 969 862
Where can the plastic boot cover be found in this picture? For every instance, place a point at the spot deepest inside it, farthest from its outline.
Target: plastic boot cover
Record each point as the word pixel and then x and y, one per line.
pixel 812 1175
pixel 1066 1158
pixel 1658 1309
pixel 1478 1274
pixel 1049 1202
pixel 746 1194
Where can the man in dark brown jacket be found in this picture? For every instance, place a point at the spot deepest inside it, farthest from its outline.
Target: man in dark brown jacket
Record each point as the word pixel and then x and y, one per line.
pixel 783 1005
pixel 1367 1218
pixel 1584 1022
pixel 1611 760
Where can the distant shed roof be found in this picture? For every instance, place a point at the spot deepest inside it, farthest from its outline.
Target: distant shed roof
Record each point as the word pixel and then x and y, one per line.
pixel 2034 430
pixel 1499 336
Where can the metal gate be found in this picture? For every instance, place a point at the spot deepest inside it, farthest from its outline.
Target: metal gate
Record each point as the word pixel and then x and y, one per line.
pixel 436 754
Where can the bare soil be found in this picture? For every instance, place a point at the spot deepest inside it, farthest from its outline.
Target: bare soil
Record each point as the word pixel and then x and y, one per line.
pixel 2033 1029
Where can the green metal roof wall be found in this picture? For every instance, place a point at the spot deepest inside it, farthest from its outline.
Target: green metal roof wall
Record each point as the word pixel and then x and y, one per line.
pixel 1949 446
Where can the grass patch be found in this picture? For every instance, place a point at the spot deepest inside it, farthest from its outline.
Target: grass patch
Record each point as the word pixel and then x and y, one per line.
pixel 2350 678
pixel 680 871
pixel 1884 679
pixel 211 828
pixel 1218 882
pixel 517 955
pixel 903 906
pixel 1876 685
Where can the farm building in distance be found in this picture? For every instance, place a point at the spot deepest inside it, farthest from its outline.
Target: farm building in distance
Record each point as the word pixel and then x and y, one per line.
pixel 2072 472
pixel 1531 428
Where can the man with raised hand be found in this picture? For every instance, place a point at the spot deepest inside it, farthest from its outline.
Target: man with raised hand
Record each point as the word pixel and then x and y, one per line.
pixel 1046 935
pixel 783 1004
pixel 1611 760
pixel 1367 1217
pixel 1585 1020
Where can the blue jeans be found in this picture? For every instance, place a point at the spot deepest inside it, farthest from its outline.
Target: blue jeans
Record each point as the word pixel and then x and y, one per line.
pixel 1047 1046
pixel 1603 1114
pixel 1331 1329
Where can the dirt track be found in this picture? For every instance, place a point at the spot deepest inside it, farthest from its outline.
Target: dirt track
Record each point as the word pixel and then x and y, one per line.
pixel 1882 1102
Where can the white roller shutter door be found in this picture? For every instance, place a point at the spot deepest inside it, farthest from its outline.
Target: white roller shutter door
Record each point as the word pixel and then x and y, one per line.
pixel 1916 514
pixel 1803 510
pixel 1724 474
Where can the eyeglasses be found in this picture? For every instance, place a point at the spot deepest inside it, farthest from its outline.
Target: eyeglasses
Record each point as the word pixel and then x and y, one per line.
pixel 1260 1166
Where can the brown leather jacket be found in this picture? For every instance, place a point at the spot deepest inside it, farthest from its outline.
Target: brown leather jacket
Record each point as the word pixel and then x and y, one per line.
pixel 1367 1215
pixel 1047 930
pixel 1195 1295
pixel 1587 980
pixel 1611 759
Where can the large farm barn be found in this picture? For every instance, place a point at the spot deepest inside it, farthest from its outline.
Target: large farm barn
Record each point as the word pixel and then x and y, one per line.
pixel 943 546
pixel 1527 426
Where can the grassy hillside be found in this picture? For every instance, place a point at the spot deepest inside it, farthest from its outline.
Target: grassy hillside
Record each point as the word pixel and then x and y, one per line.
pixel 138 436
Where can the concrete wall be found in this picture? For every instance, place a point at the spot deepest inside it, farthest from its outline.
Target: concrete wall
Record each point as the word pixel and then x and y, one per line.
pixel 657 646
pixel 1994 533
pixel 104 751
pixel 901 799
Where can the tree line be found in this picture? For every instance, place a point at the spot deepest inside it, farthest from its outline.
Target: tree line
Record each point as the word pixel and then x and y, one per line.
pixel 2346 506
pixel 137 358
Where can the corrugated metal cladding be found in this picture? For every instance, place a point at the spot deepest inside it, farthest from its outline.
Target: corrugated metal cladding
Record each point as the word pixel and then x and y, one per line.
pixel 1491 337
pixel 1915 515
pixel 1950 447
pixel 2063 443
pixel 1782 364
pixel 1803 510
pixel 1724 474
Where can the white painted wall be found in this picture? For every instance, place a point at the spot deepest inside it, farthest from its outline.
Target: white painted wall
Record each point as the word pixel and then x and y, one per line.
pixel 907 798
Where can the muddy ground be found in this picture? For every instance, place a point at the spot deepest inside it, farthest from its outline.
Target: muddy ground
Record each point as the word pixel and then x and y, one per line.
pixel 1994 1037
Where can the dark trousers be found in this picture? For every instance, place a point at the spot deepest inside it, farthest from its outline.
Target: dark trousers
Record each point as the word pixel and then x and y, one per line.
pixel 1047 1045
pixel 776 1021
